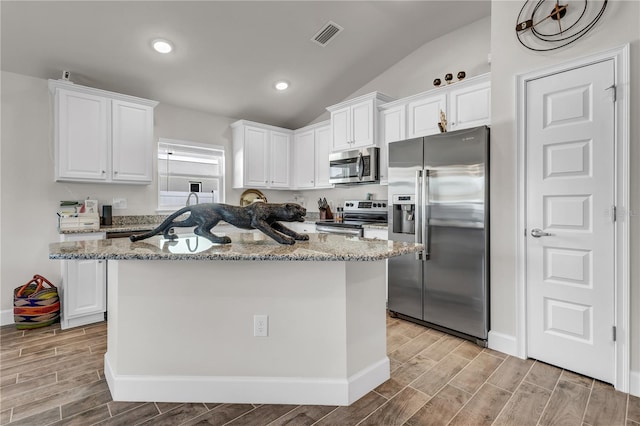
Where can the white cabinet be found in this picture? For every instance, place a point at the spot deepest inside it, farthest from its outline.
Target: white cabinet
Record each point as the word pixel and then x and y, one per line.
pixel 465 104
pixel 322 151
pixel 261 155
pixel 470 106
pixel 424 115
pixel 393 124
pixel 280 160
pixel 304 174
pixel 84 287
pixel 301 227
pixel 101 136
pixel 311 147
pixel 354 122
pixel 376 233
pixel 393 127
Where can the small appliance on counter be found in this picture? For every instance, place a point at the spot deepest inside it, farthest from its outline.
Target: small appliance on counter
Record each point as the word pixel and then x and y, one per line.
pixel 78 215
pixel 355 214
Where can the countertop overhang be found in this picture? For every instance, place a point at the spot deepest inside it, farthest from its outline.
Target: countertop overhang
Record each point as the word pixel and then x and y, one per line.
pixel 253 246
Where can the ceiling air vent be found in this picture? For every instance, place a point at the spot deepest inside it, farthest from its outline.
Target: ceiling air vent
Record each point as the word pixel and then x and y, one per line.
pixel 326 33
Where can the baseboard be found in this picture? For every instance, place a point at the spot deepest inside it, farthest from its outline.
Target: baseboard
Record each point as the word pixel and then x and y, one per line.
pixel 245 390
pixel 6 317
pixel 504 343
pixel 634 383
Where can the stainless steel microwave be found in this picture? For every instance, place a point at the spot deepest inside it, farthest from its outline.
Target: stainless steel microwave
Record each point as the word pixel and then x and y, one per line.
pixel 357 166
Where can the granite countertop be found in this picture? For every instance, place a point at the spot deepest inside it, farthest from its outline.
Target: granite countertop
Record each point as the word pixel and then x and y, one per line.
pixel 245 246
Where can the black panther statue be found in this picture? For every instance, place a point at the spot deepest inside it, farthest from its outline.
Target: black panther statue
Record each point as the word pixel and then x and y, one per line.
pixel 265 217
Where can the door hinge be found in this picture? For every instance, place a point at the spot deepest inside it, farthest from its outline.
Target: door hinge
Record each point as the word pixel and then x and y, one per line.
pixel 615 91
pixel 614 333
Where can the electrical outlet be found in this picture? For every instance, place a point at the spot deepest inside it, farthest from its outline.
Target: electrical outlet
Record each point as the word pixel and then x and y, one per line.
pixel 260 325
pixel 119 203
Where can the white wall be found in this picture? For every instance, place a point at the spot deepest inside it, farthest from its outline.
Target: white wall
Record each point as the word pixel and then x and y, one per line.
pixel 619 25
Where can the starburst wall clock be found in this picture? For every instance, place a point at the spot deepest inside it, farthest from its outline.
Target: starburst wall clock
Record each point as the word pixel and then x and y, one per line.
pixel 549 25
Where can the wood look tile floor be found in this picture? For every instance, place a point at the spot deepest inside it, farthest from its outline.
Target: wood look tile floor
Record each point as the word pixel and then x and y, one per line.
pixel 54 377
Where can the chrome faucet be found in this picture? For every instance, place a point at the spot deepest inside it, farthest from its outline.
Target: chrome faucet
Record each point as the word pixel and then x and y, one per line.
pixel 189 198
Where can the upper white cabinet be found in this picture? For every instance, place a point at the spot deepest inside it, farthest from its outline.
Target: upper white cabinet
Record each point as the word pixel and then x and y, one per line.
pixel 304 174
pixel 424 115
pixel 261 155
pixel 280 159
pixel 393 124
pixel 465 104
pixel 354 122
pixel 322 151
pixel 311 147
pixel 470 106
pixel 101 136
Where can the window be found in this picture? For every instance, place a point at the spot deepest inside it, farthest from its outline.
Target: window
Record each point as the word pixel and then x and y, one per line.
pixel 187 167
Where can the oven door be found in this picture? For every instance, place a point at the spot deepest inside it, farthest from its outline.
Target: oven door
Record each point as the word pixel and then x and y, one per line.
pixel 358 166
pixel 339 230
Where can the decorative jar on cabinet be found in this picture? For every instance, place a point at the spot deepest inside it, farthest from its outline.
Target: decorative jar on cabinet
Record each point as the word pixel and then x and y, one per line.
pixel 101 136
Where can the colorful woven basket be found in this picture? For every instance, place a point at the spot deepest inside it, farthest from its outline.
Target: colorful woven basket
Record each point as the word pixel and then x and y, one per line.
pixel 35 305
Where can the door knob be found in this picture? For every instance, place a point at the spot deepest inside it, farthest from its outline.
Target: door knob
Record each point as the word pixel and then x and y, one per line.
pixel 537 233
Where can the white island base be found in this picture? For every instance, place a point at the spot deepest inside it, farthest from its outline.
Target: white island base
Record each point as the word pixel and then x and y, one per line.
pixel 183 331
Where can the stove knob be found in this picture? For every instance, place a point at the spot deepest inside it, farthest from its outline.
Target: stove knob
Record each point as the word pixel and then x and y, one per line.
pixel 384 205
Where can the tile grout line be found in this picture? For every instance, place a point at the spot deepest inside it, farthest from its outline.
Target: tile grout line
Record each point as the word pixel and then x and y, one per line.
pixel 550 397
pixel 586 406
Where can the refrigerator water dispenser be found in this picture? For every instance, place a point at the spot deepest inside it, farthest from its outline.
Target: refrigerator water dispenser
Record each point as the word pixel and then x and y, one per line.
pixel 404 214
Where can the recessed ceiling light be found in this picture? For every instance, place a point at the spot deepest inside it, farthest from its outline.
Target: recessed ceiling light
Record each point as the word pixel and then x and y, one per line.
pixel 162 46
pixel 282 85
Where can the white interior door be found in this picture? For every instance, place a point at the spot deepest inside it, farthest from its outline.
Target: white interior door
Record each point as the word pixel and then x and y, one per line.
pixel 570 147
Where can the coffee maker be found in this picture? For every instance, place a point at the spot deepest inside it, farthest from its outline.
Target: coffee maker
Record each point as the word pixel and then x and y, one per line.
pixel 404 214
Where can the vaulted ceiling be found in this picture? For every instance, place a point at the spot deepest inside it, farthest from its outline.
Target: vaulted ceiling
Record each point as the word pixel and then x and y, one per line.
pixel 228 54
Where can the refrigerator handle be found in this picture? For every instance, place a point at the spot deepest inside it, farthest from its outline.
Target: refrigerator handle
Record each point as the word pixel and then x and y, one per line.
pixel 418 213
pixel 424 203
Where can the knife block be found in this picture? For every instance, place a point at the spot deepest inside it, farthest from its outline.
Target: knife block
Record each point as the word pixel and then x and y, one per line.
pixel 327 214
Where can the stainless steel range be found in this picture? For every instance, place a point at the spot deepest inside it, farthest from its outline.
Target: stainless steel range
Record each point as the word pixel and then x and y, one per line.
pixel 356 213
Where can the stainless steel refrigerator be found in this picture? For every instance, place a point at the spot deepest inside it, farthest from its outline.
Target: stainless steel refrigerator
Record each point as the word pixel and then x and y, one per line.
pixel 438 196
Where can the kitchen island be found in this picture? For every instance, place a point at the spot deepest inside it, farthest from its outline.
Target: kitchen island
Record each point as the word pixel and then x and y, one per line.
pixel 182 326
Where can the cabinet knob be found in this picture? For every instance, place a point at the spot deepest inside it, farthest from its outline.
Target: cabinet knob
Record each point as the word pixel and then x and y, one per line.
pixel 103 172
pixel 115 172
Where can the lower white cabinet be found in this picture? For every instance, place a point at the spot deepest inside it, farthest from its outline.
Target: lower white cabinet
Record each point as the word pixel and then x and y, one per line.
pixel 84 287
pixel 301 227
pixel 376 233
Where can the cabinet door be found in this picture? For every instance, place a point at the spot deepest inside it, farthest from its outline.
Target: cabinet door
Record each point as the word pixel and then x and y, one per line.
pixel 304 160
pixel 470 106
pixel 85 288
pixel 323 148
pixel 82 136
pixel 132 136
pixel 362 122
pixel 256 144
pixel 424 116
pixel 341 129
pixel 394 126
pixel 280 160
